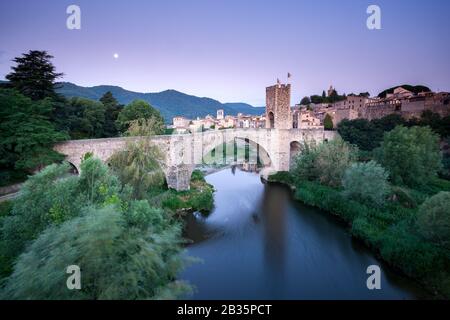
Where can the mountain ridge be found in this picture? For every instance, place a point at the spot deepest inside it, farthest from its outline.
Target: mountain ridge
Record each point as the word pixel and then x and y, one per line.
pixel 169 102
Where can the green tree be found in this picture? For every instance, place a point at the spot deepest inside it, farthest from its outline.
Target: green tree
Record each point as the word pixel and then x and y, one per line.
pixel 388 123
pixel 118 259
pixel 328 122
pixel 433 219
pixel 34 75
pixel 366 182
pixel 96 184
pixel 139 164
pixel 326 162
pixel 88 119
pixel 316 99
pixel 46 198
pixel 26 133
pixel 137 110
pixel 112 110
pixel 361 133
pixel 304 167
pixel 411 155
pixel 305 101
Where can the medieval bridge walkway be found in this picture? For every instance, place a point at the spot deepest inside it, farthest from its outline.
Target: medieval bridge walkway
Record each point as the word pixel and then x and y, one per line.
pixel 183 152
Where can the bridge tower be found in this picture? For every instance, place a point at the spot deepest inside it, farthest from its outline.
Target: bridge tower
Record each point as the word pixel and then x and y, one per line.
pixel 278 107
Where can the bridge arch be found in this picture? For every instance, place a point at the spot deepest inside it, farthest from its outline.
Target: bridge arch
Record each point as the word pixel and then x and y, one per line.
pixel 228 146
pixel 73 168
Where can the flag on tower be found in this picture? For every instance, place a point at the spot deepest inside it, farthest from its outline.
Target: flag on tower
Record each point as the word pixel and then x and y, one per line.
pixel 289 75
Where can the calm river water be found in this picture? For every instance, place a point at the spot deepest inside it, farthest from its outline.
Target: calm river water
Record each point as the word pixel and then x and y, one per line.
pixel 258 243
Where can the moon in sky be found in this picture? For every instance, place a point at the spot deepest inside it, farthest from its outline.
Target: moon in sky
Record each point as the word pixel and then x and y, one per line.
pixel 116 56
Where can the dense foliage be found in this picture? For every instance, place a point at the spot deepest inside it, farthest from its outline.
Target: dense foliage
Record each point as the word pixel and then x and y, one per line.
pixel 119 259
pixel 112 110
pixel 326 162
pixel 136 110
pixel 366 182
pixel 433 219
pixel 87 120
pixel 411 155
pixel 26 134
pixel 34 75
pixel 93 221
pixel 368 135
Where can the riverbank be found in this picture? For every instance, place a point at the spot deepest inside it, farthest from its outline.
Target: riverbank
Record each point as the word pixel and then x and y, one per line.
pixel 389 232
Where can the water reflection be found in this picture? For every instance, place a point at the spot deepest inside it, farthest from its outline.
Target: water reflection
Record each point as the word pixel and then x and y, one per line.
pixel 259 244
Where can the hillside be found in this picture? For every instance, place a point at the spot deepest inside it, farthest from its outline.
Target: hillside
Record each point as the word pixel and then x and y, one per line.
pixel 169 102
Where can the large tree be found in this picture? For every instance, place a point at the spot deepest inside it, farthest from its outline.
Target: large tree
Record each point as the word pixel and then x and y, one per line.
pixel 305 101
pixel 138 110
pixel 34 75
pixel 112 110
pixel 87 118
pixel 411 155
pixel 138 165
pixel 26 133
pixel 360 132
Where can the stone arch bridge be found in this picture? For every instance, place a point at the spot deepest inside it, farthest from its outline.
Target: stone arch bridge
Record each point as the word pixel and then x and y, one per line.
pixel 183 152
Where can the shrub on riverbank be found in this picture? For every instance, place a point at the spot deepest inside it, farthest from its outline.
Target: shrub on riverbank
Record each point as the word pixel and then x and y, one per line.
pixel 366 182
pixel 326 162
pixel 433 220
pixel 411 155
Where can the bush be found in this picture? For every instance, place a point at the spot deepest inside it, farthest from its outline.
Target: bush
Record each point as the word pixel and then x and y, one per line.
pixel 197 175
pixel 284 177
pixel 366 182
pixel 411 155
pixel 45 198
pixel 117 260
pixel 433 220
pixel 5 208
pixel 326 162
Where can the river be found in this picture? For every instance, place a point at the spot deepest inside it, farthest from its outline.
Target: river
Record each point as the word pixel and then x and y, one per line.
pixel 258 243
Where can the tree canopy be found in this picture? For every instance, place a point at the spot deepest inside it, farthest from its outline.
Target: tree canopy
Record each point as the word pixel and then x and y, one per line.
pixel 26 133
pixel 137 110
pixel 34 75
pixel 411 155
